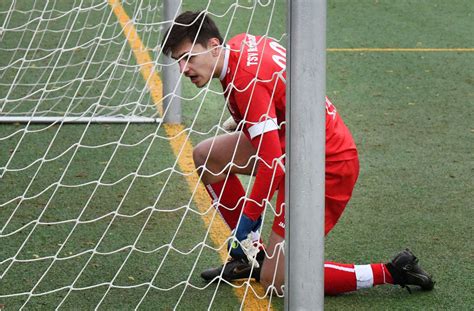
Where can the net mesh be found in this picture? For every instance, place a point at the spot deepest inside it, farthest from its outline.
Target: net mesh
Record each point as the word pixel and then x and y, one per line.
pixel 110 215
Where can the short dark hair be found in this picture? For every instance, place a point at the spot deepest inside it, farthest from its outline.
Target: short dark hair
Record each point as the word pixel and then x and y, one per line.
pixel 192 26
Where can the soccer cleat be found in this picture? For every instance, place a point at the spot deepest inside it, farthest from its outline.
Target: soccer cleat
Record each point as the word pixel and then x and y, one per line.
pixel 405 271
pixel 234 269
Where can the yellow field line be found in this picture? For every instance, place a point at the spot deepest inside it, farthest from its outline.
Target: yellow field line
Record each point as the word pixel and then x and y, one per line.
pixel 182 149
pixel 368 50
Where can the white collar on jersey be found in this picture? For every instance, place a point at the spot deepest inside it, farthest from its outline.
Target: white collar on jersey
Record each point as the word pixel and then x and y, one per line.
pixel 226 62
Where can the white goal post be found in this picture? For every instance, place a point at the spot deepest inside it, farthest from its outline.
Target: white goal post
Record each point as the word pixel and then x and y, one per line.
pixel 306 155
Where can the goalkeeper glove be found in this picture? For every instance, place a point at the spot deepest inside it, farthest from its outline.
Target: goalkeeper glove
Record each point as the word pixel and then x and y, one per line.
pixel 247 237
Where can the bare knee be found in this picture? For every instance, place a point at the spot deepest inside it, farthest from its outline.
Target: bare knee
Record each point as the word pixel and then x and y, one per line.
pixel 272 275
pixel 214 157
pixel 267 282
pixel 271 286
pixel 201 154
pixel 207 162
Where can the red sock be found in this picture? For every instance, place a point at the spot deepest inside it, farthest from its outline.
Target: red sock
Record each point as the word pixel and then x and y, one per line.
pixel 381 274
pixel 227 193
pixel 342 278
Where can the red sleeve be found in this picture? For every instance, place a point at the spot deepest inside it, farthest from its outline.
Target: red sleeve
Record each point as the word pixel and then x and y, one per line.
pixel 258 110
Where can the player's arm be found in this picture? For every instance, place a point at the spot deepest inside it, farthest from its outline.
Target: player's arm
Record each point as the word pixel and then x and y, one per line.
pixel 255 104
pixel 269 172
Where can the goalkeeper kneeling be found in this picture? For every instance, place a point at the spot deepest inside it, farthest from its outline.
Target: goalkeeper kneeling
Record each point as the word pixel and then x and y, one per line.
pixel 252 72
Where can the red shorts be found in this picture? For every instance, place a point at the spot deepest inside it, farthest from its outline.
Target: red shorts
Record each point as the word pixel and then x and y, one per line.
pixel 341 177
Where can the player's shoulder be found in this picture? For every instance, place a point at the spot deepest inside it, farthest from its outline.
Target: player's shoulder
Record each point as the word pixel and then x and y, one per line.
pixel 239 47
pixel 244 42
pixel 247 58
pixel 237 39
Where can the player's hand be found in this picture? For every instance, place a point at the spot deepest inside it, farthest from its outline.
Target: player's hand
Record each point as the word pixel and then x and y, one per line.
pixel 229 125
pixel 247 237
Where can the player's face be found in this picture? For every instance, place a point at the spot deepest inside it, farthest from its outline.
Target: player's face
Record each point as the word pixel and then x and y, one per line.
pixel 197 62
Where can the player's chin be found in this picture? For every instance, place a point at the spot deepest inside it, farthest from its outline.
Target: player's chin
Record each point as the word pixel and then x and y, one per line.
pixel 200 83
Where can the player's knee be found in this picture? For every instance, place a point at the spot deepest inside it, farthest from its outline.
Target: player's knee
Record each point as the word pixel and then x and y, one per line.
pixel 200 154
pixel 270 285
pixel 266 282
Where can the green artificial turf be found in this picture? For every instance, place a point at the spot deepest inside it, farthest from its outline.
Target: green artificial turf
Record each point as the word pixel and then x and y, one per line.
pixel 106 188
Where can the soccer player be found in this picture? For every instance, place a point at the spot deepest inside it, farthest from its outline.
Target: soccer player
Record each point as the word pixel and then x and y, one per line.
pixel 251 70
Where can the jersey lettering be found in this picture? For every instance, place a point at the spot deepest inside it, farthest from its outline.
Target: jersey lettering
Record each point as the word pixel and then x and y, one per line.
pixel 252 56
pixel 330 109
pixel 280 59
pixel 252 59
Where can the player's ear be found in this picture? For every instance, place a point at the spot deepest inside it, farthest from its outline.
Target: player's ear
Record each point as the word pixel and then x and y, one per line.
pixel 213 44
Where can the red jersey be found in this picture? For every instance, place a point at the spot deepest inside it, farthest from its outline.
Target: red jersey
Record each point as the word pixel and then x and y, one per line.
pixel 254 83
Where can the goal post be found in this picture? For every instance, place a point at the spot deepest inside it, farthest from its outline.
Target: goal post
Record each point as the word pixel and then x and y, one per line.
pixel 306 154
pixel 171 75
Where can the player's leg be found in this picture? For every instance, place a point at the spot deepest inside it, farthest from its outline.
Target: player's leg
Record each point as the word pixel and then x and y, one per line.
pixel 403 270
pixel 218 159
pixel 272 275
pixel 341 177
pixel 340 278
pixel 340 180
pixel 214 157
pixel 239 268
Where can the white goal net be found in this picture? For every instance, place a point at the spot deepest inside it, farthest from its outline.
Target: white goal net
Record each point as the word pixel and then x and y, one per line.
pixel 106 213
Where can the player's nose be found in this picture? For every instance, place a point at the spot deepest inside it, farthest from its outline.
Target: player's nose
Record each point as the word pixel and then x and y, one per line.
pixel 183 68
